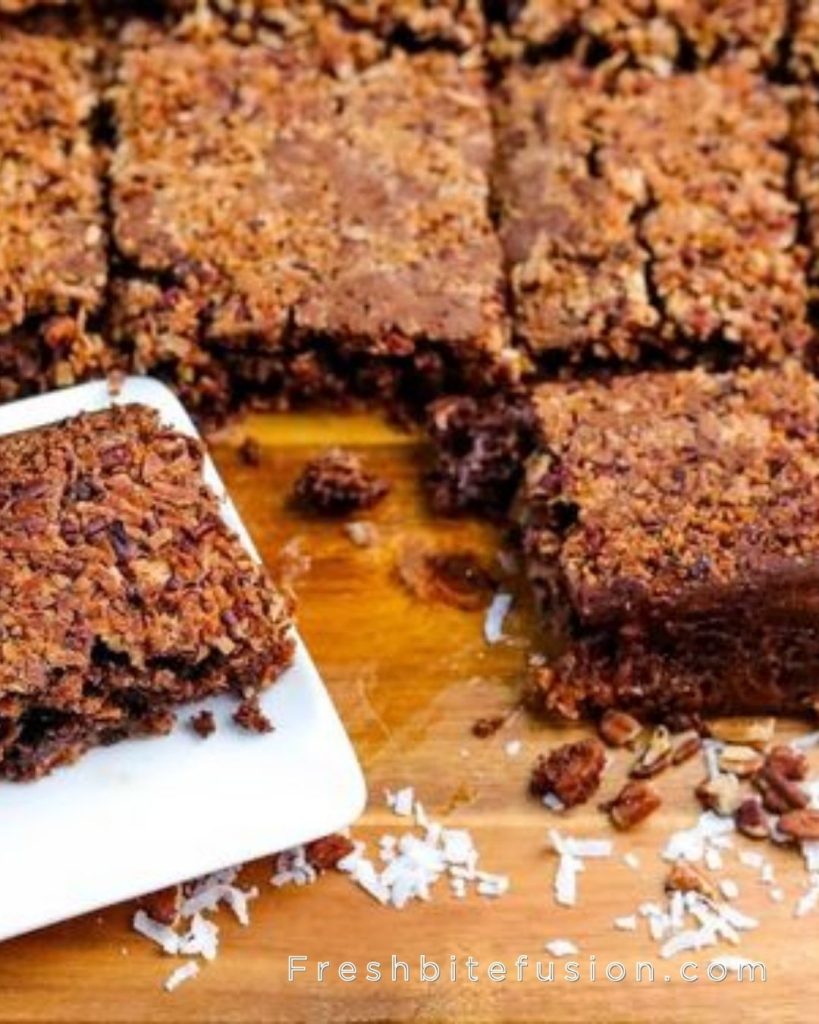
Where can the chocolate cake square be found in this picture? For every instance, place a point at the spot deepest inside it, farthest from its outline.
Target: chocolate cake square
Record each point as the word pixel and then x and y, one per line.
pixel 287 233
pixel 122 591
pixel 650 218
pixel 669 523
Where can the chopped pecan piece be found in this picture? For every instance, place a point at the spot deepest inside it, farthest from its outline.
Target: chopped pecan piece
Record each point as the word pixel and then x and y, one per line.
pixel 751 820
pixel 163 905
pixel 633 804
pixel 655 756
pixel 572 772
pixel 779 793
pixel 686 746
pixel 787 761
pixel 618 728
pixel 325 853
pixel 755 732
pixel 740 760
pixel 800 824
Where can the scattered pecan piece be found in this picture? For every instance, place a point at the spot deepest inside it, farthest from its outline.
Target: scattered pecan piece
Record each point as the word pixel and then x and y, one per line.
pixel 800 824
pixel 751 820
pixel 779 793
pixel 572 772
pixel 163 905
pixel 336 483
pixel 618 728
pixel 755 732
pixel 721 794
pixel 485 727
pixel 788 762
pixel 655 756
pixel 203 723
pixel 251 717
pixel 633 804
pixel 325 853
pixel 686 746
pixel 684 877
pixel 740 760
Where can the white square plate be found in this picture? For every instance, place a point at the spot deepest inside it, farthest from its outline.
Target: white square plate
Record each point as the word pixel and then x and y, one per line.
pixel 145 813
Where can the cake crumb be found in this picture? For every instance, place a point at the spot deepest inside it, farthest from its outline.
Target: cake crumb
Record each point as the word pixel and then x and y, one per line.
pixel 337 483
pixel 203 723
pixel 572 772
pixel 250 452
pixel 250 716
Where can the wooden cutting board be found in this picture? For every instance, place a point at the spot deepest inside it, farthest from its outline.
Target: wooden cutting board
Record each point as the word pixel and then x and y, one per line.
pixel 410 678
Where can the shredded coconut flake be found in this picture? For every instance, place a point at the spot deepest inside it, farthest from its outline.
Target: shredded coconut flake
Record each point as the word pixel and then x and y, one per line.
pixel 403 802
pixel 752 859
pixel 181 975
pixel 164 936
pixel 561 947
pixel 202 939
pixel 734 964
pixel 571 851
pixel 807 903
pixel 810 739
pixel 810 851
pixel 690 844
pixel 553 803
pixel 293 868
pixel 495 615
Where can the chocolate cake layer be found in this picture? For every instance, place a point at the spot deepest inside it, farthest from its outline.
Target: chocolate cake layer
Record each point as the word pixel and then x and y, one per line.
pixel 268 214
pixel 751 668
pixel 670 528
pixel 122 591
pixel 649 218
pixel 52 239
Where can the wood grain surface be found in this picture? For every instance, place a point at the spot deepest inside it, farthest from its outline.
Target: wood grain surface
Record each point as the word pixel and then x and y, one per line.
pixel 410 678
